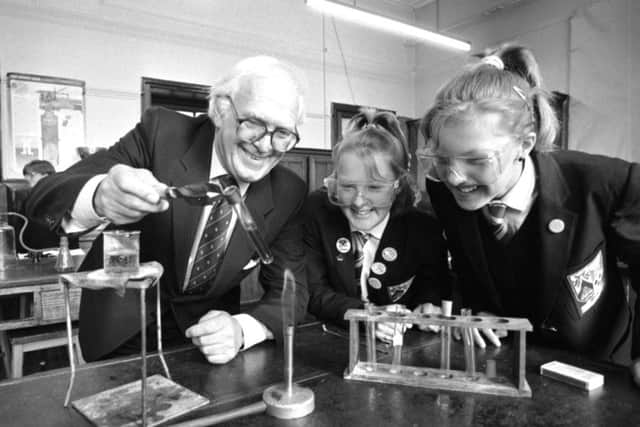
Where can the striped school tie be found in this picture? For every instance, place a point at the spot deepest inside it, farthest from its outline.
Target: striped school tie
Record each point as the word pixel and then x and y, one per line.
pixel 359 239
pixel 495 214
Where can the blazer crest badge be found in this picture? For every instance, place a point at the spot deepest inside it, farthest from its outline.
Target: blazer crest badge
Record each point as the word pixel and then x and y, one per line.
pixel 397 291
pixel 587 283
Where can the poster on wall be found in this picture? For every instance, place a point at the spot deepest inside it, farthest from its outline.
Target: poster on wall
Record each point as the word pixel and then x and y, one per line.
pixel 46 122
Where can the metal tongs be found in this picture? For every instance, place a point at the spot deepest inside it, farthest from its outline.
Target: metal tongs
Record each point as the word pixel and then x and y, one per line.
pixel 209 192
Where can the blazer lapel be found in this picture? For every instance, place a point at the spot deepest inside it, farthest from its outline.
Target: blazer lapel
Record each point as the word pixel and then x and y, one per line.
pixel 191 168
pixel 338 228
pixel 555 244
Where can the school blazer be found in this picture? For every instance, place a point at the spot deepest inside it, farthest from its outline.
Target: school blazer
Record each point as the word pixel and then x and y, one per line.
pixel 177 150
pixel 589 218
pixel 411 261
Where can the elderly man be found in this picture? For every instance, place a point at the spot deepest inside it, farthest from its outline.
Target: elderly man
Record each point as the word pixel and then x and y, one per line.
pixel 254 114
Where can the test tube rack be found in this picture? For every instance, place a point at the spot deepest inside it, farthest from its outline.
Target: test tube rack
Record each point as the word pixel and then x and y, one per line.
pixel 440 379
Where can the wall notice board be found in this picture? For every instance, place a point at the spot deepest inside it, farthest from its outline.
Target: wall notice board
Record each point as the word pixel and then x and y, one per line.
pixel 46 122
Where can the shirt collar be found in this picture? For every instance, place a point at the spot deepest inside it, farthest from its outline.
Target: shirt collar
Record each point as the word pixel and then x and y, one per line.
pixel 377 230
pixel 520 196
pixel 217 169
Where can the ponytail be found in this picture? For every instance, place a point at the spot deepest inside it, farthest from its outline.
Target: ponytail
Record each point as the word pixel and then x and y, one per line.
pixel 520 61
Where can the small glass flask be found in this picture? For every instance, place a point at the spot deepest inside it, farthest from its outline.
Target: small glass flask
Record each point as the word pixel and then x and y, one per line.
pixel 7 244
pixel 64 262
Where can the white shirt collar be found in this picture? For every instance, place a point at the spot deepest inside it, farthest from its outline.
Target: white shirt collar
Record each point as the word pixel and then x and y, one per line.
pixel 520 196
pixel 378 229
pixel 217 169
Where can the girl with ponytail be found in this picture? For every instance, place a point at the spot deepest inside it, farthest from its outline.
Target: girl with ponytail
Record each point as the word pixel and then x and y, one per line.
pixel 533 232
pixel 365 240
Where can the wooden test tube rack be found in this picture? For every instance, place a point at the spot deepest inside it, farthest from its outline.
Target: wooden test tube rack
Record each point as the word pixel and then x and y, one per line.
pixel 435 378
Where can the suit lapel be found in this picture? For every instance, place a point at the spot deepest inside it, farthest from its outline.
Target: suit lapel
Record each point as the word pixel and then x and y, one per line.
pixel 259 201
pixel 555 246
pixel 191 168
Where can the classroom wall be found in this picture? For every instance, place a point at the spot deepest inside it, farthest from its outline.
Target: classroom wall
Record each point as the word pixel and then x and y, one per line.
pixel 586 48
pixel 605 65
pixel 111 44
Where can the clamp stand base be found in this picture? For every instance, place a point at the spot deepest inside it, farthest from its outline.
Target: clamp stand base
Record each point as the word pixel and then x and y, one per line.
pixel 296 404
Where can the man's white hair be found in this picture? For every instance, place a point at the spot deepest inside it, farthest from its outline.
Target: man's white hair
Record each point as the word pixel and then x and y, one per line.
pixel 259 67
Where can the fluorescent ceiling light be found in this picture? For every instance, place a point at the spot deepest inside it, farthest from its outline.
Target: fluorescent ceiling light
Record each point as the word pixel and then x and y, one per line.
pixel 368 19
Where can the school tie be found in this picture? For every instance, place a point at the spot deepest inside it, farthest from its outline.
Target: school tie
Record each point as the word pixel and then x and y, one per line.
pixel 495 214
pixel 359 239
pixel 211 247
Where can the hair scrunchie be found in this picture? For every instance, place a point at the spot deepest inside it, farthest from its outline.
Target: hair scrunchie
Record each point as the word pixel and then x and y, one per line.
pixel 494 61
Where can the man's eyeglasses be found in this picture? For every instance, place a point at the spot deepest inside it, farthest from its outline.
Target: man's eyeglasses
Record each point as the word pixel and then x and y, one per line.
pixel 252 129
pixel 484 169
pixel 379 193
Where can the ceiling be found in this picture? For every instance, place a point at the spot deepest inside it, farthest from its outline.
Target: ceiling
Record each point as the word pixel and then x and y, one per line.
pixel 414 4
pixel 449 14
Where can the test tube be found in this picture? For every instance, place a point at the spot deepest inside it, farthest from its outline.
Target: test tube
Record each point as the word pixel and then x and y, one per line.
pixel 232 194
pixel 445 339
pixel 397 339
pixel 490 370
pixel 370 331
pixel 396 361
pixel 469 346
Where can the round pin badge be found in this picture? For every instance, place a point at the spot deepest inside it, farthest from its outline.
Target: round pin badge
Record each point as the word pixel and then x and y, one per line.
pixel 556 226
pixel 343 245
pixel 378 268
pixel 389 254
pixel 374 283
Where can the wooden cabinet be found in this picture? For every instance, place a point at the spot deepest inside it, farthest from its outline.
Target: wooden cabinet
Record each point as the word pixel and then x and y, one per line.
pixel 312 165
pixel 320 167
pixel 298 163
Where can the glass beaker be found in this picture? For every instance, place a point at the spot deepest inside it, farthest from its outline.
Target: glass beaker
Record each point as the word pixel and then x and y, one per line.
pixel 7 243
pixel 121 251
pixel 64 262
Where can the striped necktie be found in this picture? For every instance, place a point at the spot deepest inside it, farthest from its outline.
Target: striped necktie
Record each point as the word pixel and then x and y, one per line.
pixel 495 214
pixel 211 247
pixel 359 239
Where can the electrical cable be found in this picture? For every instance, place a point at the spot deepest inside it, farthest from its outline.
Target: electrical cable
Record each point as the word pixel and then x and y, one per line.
pixel 344 62
pixel 21 235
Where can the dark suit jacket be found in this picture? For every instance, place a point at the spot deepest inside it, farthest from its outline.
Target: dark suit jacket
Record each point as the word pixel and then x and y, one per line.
pixel 177 150
pixel 598 200
pixel 420 258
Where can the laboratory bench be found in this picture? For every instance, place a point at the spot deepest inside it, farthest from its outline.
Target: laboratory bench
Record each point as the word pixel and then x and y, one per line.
pixel 321 356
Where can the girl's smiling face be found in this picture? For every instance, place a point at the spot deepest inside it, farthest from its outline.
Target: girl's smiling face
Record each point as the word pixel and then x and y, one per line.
pixel 365 211
pixel 476 139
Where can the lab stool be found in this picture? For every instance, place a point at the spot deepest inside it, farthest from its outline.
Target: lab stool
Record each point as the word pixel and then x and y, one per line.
pixel 25 340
